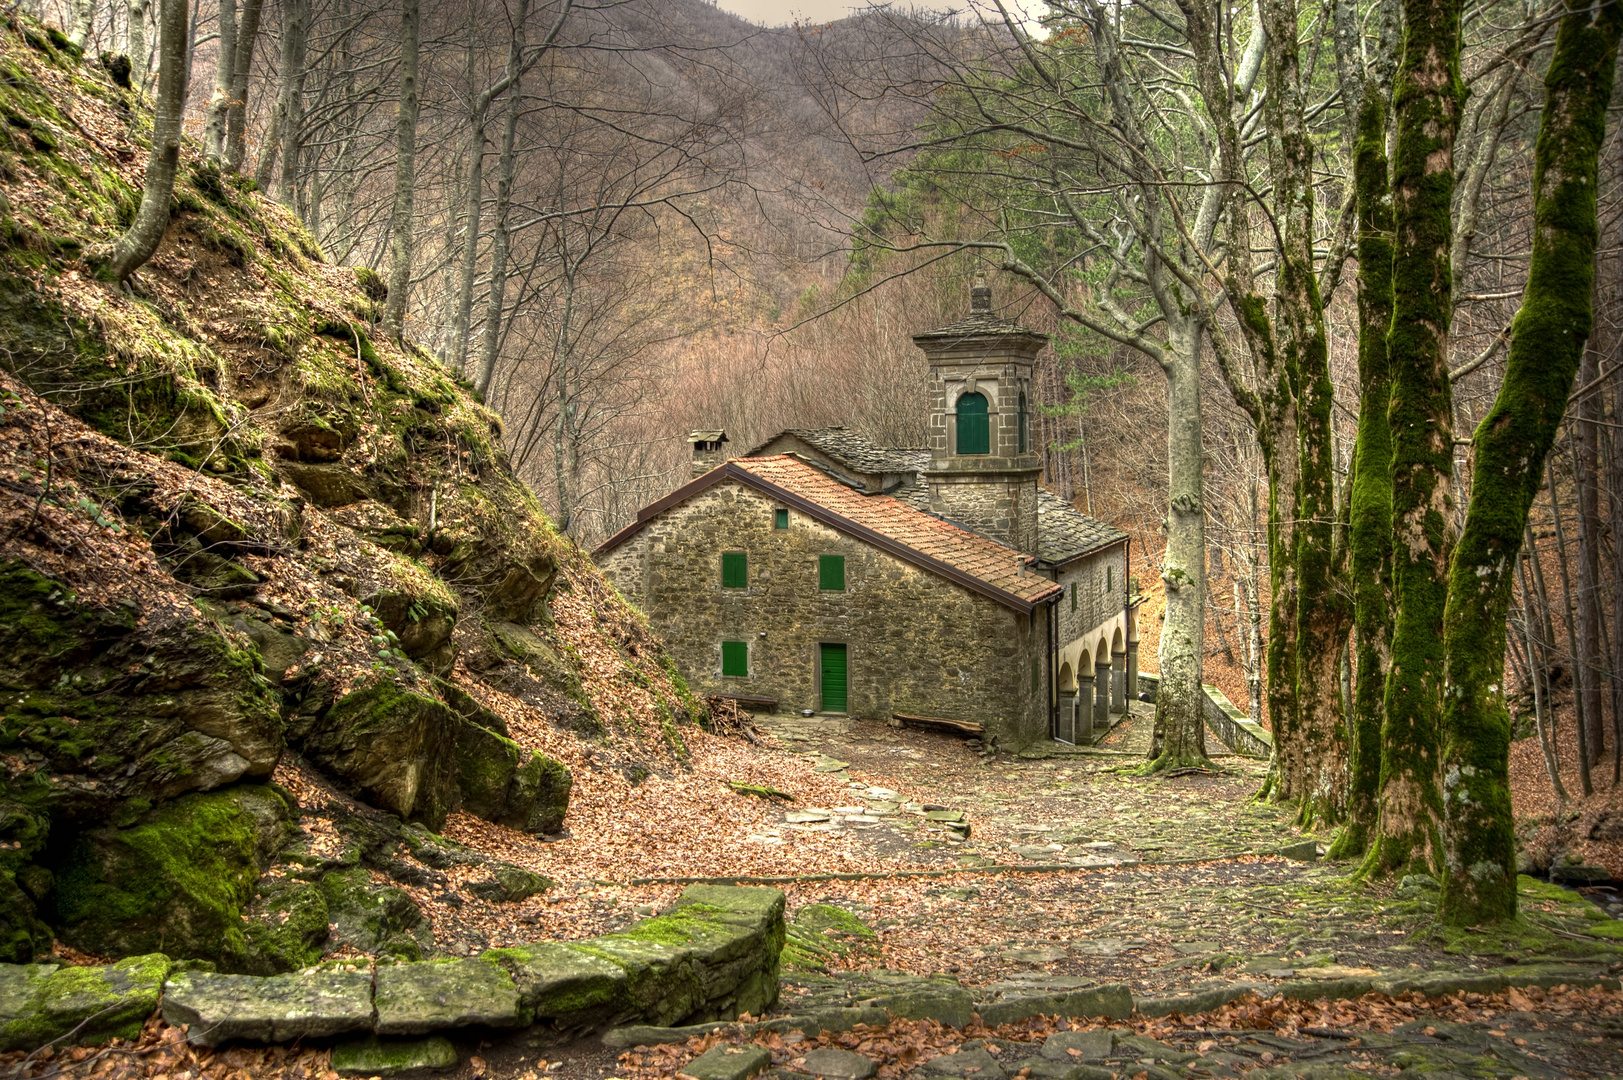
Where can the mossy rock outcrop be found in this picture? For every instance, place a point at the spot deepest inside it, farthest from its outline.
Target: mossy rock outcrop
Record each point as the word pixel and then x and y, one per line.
pixel 393 747
pixel 500 781
pixel 121 713
pixel 177 881
pixel 423 619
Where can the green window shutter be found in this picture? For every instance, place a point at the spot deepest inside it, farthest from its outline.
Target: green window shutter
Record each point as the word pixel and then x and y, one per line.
pixel 734 570
pixel 735 658
pixel 833 671
pixel 780 519
pixel 974 432
pixel 831 573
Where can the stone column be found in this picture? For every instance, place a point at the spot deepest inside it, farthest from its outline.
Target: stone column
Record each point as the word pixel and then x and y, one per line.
pixel 1082 709
pixel 1101 686
pixel 1118 682
pixel 1066 728
pixel 1132 653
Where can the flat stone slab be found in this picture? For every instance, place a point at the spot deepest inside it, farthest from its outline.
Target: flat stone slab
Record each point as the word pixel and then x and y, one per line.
pixel 727 1063
pixel 1112 1000
pixel 18 983
pixel 1042 954
pixel 829 765
pixel 838 1065
pixel 94 1003
pixel 276 1009
pixel 974 1064
pixel 413 999
pixel 1198 1001
pixel 389 1057
pixel 806 817
pixel 642 1035
pixel 944 815
pixel 555 980
pixel 1078 1045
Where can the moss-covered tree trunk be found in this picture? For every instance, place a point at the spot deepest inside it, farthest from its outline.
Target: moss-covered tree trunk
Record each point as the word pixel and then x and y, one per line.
pixel 1427 99
pixel 1291 410
pixel 1511 444
pixel 137 244
pixel 1370 509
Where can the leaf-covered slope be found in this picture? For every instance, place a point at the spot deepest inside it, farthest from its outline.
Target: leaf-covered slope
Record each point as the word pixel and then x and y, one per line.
pixel 238 530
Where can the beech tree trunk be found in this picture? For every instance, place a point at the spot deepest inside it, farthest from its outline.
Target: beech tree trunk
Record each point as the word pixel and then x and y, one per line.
pixel 490 347
pixel 136 246
pixel 220 100
pixel 137 16
pixel 1180 723
pixel 288 121
pixel 1370 509
pixel 236 140
pixel 405 175
pixel 477 114
pixel 84 19
pixel 1512 442
pixel 1428 96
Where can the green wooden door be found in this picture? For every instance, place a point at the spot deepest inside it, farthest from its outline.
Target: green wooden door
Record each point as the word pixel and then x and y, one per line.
pixel 832 662
pixel 974 431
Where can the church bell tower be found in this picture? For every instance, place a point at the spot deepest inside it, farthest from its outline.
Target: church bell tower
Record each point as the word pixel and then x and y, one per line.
pixel 984 465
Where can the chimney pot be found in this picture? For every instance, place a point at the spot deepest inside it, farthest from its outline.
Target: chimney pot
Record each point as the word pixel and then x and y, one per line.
pixel 980 296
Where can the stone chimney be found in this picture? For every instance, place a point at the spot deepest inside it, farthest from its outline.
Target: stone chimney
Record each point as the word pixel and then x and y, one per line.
pixel 708 450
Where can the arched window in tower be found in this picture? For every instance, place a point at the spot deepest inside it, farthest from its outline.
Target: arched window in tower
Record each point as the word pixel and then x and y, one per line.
pixel 974 433
pixel 1023 423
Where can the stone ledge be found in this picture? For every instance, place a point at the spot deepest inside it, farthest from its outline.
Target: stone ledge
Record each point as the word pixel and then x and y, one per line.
pixel 713 957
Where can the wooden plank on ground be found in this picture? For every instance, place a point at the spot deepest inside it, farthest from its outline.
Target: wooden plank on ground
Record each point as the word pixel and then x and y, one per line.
pixel 939 723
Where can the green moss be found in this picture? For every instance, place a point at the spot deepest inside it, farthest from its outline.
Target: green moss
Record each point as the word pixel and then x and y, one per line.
pixel 286 928
pixel 110 1002
pixel 177 882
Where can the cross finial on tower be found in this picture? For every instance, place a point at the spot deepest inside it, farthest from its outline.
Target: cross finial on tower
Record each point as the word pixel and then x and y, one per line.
pixel 980 296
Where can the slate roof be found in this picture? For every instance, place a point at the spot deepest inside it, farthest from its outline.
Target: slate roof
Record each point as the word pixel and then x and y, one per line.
pixel 978 563
pixel 981 324
pixel 856 451
pixel 1065 533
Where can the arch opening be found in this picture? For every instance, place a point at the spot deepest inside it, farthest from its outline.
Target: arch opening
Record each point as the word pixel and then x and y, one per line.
pixel 974 429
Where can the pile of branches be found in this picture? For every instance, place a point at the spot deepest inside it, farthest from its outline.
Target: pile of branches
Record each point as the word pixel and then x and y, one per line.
pixel 728 717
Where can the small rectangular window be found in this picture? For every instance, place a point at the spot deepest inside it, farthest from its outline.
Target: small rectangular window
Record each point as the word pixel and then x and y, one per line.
pixel 734 570
pixel 780 519
pixel 831 573
pixel 1110 578
pixel 735 658
pixel 1073 596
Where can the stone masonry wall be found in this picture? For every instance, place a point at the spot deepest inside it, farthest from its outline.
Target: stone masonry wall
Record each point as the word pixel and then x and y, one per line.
pixel 917 643
pixel 1101 593
pixel 1003 508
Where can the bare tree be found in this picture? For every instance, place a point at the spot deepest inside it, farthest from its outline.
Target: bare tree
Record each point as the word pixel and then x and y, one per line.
pixel 405 174
pixel 136 246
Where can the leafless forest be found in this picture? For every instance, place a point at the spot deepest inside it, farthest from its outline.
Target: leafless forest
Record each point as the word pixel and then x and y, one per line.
pixel 625 220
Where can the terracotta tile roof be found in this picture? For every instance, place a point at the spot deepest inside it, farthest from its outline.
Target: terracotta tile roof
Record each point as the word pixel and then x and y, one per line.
pixel 976 562
pixel 986 560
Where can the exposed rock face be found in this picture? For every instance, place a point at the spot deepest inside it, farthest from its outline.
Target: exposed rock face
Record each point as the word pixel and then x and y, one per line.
pixel 124 713
pixel 502 782
pixel 178 879
pixel 390 746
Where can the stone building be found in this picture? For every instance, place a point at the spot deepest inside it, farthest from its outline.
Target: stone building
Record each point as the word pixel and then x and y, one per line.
pixel 820 571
